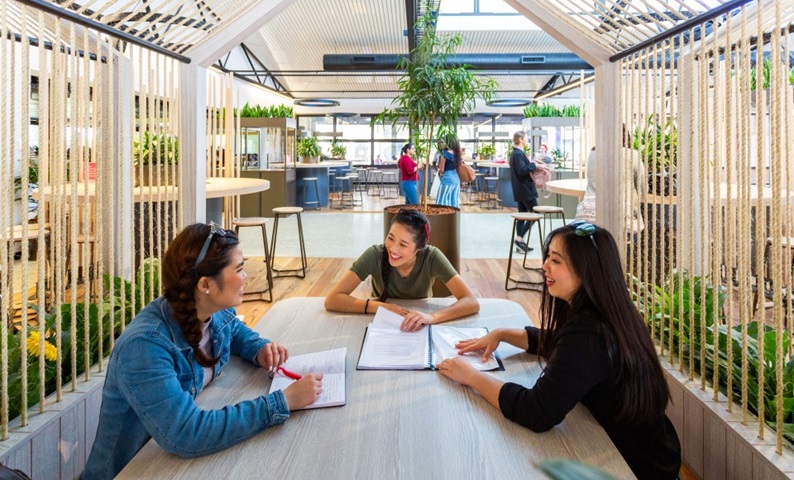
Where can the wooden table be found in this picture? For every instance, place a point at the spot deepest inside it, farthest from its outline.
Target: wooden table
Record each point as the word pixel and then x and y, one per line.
pixel 220 187
pixel 572 186
pixel 396 424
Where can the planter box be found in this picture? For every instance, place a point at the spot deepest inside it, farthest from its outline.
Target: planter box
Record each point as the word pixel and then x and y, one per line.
pixel 539 122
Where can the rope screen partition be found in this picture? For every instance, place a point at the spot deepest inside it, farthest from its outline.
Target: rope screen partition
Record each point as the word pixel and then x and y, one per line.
pixel 710 119
pixel 88 200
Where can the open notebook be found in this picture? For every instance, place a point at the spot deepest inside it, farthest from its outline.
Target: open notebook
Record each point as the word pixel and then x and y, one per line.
pixel 331 363
pixel 386 347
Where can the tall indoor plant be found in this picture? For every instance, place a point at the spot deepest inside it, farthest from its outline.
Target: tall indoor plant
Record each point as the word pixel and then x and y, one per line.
pixel 435 90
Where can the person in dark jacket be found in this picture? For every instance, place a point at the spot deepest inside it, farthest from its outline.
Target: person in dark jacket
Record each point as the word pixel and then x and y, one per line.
pixel 524 191
pixel 598 352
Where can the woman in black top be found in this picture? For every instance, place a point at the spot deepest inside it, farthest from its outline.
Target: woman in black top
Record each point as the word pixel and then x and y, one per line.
pixel 598 352
pixel 524 191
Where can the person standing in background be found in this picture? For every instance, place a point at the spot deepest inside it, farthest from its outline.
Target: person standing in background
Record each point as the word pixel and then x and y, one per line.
pixel 524 191
pixel 448 163
pixel 408 174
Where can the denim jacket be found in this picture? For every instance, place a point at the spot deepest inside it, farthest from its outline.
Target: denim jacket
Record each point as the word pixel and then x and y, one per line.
pixel 150 388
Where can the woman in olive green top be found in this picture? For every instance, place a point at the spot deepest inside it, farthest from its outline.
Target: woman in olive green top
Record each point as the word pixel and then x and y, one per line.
pixel 405 266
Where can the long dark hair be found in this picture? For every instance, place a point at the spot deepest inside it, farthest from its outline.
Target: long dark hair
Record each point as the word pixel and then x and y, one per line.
pixel 417 223
pixel 454 145
pixel 180 275
pixel 633 359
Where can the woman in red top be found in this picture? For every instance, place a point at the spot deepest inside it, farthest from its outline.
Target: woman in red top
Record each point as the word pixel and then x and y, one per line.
pixel 408 176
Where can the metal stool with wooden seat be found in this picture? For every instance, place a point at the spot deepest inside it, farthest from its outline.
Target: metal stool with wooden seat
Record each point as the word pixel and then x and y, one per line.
pixel 261 222
pixel 491 192
pixel 389 183
pixel 315 204
pixel 283 212
pixel 524 284
pixel 547 211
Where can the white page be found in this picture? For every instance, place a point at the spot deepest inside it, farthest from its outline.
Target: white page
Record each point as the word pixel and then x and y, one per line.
pixel 387 319
pixel 331 363
pixel 445 338
pixel 390 348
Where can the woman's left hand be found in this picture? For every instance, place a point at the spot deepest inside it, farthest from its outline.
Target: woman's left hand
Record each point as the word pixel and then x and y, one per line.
pixel 414 320
pixel 272 355
pixel 458 370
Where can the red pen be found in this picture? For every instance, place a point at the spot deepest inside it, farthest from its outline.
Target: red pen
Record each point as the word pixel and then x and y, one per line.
pixel 288 374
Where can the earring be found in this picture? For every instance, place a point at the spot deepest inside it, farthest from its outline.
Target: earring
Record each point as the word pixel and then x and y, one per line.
pixel 207 291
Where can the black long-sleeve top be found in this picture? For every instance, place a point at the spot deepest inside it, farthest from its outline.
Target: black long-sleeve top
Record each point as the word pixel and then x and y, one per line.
pixel 523 186
pixel 578 370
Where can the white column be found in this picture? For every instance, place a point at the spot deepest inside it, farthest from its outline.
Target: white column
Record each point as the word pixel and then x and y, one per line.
pixel 607 143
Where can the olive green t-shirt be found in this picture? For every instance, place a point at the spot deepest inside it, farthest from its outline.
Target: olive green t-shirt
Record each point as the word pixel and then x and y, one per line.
pixel 430 264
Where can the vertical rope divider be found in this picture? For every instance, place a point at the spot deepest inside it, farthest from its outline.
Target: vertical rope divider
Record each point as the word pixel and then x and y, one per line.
pixel 704 114
pixel 775 84
pixel 645 294
pixel 136 130
pixel 677 81
pixel 643 71
pixel 87 220
pixel 99 119
pixel 58 184
pixel 123 177
pixel 41 255
pixel 651 115
pixel 760 214
pixel 154 181
pixel 165 201
pixel 787 217
pixel 8 221
pixel 730 209
pixel 622 156
pixel 695 119
pixel 162 128
pixel 5 143
pixel 667 77
pixel 114 192
pixel 24 63
pixel 718 232
pixel 745 214
pixel 143 125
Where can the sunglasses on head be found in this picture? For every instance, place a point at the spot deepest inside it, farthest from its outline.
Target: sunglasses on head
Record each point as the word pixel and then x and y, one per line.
pixel 584 229
pixel 214 230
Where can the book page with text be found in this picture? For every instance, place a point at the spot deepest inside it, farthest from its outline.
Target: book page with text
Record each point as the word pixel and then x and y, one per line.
pixel 331 363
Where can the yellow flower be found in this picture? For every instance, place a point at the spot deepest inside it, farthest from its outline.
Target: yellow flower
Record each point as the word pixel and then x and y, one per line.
pixel 34 342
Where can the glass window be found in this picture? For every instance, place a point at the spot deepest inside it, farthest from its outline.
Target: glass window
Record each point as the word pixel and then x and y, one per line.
pixel 354 128
pixel 359 152
pixel 387 152
pixel 389 132
pixel 316 124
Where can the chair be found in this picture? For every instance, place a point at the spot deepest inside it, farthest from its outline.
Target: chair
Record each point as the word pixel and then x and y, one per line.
pixel 547 211
pixel 316 201
pixel 239 223
pixel 283 212
pixel 523 284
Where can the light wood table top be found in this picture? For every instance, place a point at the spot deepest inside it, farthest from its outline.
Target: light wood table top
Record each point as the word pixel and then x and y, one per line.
pixel 574 187
pixel 396 424
pixel 217 187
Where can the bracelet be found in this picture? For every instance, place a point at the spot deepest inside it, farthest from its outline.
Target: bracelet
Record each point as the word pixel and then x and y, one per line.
pixel 366 306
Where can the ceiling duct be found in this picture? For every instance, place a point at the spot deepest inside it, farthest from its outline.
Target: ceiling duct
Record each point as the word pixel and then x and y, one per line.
pixel 546 62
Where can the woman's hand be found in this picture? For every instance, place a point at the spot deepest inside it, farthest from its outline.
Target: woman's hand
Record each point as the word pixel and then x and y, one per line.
pixel 486 344
pixel 414 320
pixel 458 370
pixel 272 355
pixel 395 308
pixel 304 391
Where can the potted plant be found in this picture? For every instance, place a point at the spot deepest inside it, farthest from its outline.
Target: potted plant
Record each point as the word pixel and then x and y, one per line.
pixel 338 151
pixel 152 151
pixel 486 151
pixel 435 92
pixel 657 143
pixel 309 149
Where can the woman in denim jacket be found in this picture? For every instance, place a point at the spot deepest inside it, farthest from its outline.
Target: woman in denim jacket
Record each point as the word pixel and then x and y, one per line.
pixel 174 347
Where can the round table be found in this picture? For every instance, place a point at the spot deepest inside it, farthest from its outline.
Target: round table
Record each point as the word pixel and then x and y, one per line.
pixel 572 186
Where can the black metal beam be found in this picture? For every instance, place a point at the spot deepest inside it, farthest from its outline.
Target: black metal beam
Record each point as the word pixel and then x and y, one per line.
pixel 680 28
pixel 552 62
pixel 101 27
pixel 411 8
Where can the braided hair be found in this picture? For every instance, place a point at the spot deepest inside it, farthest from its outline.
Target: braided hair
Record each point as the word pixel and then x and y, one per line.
pixel 417 223
pixel 181 274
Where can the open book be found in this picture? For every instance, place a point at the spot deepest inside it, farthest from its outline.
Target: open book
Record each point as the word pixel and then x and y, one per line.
pixel 386 347
pixel 331 363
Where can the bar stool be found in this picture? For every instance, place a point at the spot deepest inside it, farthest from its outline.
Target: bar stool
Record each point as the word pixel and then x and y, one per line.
pixel 491 192
pixel 331 180
pixel 547 211
pixel 283 212
pixel 389 182
pixel 316 200
pixel 363 178
pixel 239 223
pixel 375 183
pixel 344 188
pixel 524 284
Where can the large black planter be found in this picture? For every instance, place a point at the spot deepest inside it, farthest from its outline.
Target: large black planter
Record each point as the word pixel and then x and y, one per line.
pixel 444 235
